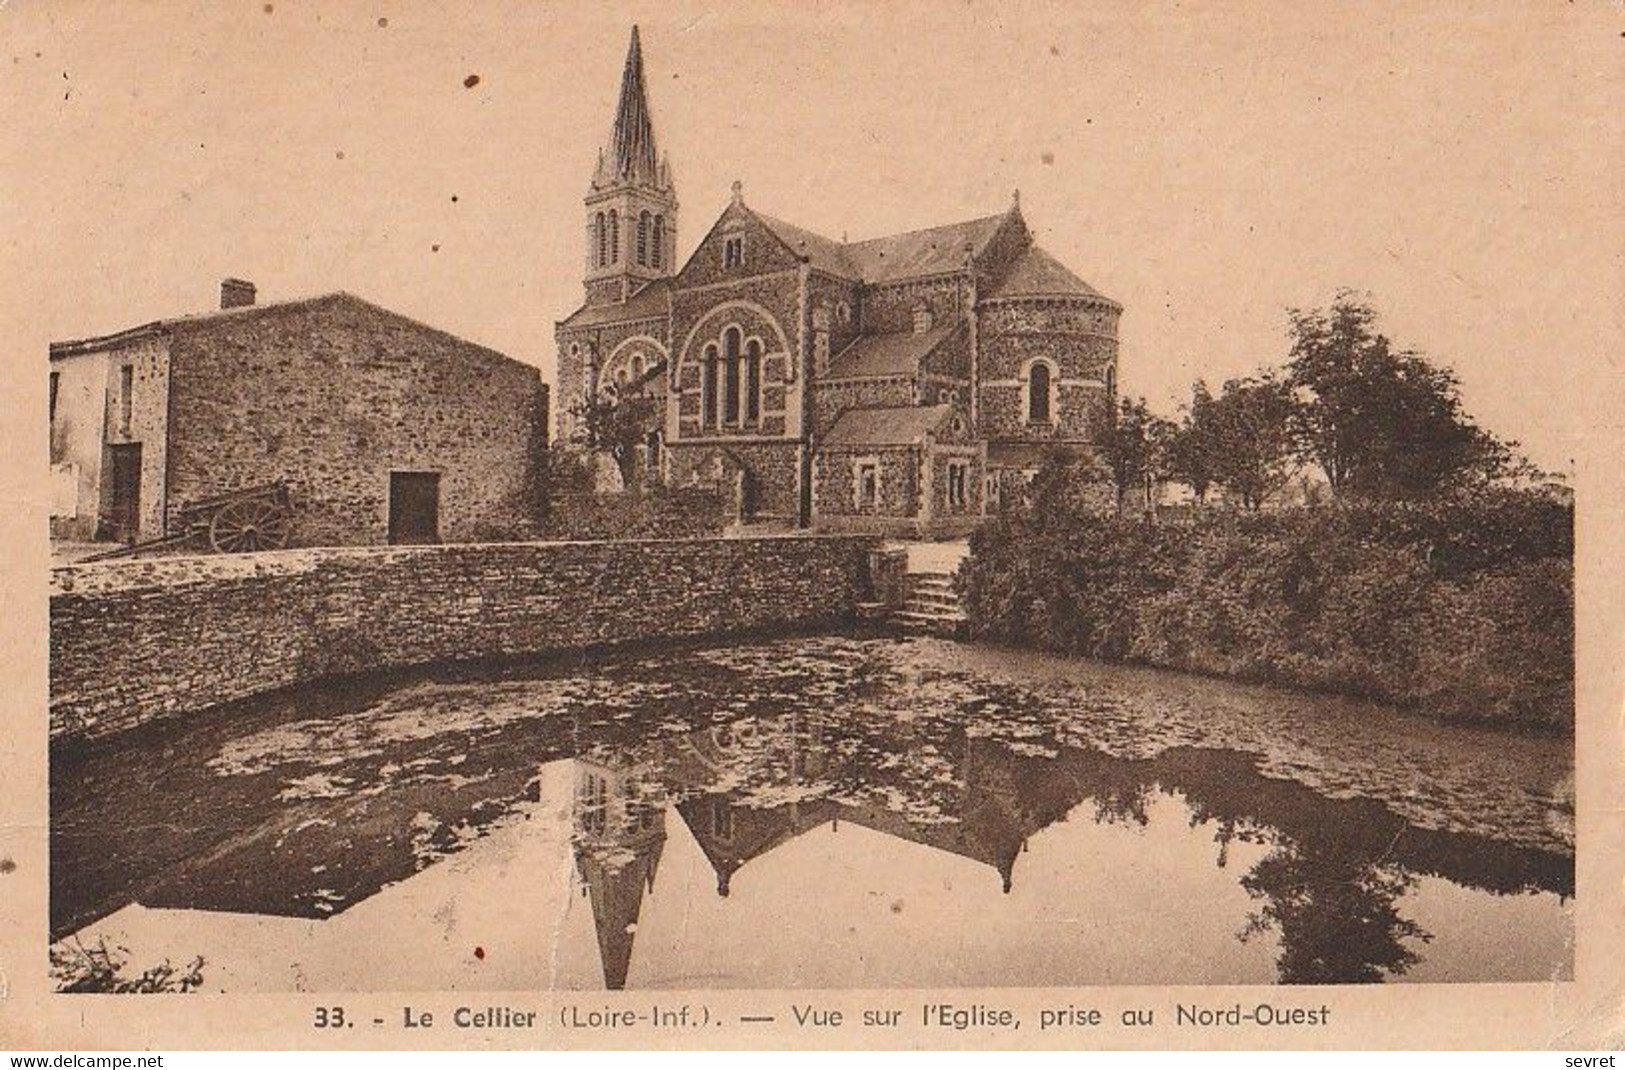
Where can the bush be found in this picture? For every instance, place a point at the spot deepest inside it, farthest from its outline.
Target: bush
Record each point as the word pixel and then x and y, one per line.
pixel 1461 608
pixel 654 513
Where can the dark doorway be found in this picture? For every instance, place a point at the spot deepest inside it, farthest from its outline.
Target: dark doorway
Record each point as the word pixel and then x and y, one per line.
pixel 414 507
pixel 124 513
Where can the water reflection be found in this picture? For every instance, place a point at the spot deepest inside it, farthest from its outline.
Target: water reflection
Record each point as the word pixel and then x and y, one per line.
pixel 778 775
pixel 1328 885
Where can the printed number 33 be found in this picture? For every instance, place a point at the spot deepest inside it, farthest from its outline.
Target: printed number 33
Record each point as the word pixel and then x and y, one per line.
pixel 329 1017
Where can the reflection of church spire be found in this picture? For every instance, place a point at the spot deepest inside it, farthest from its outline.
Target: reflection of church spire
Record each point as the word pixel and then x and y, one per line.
pixel 619 836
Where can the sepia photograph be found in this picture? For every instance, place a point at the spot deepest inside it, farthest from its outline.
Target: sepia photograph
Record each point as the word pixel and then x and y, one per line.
pixel 684 498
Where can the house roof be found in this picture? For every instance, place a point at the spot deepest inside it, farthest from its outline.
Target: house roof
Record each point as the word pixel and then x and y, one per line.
pixel 272 308
pixel 1038 274
pixel 902 426
pixel 874 355
pixel 647 303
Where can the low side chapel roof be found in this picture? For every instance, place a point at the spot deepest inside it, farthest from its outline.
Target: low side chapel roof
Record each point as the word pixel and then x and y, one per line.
pixel 904 425
pixel 876 355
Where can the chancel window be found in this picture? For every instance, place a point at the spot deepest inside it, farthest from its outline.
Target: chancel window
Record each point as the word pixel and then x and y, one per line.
pixel 1040 385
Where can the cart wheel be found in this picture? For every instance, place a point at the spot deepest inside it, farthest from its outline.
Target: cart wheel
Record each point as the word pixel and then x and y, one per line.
pixel 242 527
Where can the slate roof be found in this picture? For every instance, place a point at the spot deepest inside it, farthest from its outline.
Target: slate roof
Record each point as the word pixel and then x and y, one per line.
pixel 872 355
pixel 269 308
pixel 902 426
pixel 1038 274
pixel 648 302
pixel 896 256
pixel 922 252
pixel 823 253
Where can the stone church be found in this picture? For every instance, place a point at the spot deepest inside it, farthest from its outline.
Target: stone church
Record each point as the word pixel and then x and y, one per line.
pixel 904 384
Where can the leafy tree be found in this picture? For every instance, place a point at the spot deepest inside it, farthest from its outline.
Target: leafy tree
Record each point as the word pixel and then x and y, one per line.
pixel 1135 449
pixel 1379 421
pixel 616 423
pixel 1193 454
pixel 1250 428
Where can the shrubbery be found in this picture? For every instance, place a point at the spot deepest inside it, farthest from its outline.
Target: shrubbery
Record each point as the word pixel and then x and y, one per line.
pixel 1460 608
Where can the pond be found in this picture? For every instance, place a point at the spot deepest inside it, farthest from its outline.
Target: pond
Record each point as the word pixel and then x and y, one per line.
pixel 824 812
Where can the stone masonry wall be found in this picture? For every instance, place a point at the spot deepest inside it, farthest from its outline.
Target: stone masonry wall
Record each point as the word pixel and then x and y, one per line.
pixel 132 642
pixel 333 396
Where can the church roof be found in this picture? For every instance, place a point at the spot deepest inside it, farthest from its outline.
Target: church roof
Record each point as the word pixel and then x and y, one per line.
pixel 897 256
pixel 653 300
pixel 1038 274
pixel 824 253
pixel 922 252
pixel 873 355
pixel 902 426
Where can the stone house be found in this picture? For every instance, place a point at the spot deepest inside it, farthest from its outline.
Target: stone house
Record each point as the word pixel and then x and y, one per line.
pixel 382 429
pixel 902 384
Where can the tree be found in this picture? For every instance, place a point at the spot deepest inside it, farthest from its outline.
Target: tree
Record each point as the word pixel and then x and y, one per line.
pixel 1250 427
pixel 617 424
pixel 1192 453
pixel 1379 421
pixel 1134 448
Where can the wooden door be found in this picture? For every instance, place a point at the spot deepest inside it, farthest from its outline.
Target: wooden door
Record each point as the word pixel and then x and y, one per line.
pixel 124 513
pixel 414 507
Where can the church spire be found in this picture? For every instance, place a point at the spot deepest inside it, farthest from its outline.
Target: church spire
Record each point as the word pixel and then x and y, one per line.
pixel 633 140
pixel 631 203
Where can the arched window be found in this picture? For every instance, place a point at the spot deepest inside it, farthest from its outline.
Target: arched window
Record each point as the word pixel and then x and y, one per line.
pixel 614 236
pixel 601 236
pixel 708 387
pixel 1111 383
pixel 753 383
pixel 657 242
pixel 730 377
pixel 643 239
pixel 1039 387
pixel 637 365
pixel 922 318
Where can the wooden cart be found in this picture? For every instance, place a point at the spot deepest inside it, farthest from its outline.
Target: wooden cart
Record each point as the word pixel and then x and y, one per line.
pixel 237 521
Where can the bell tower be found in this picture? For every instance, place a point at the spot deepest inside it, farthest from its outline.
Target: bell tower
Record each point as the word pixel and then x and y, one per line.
pixel 631 204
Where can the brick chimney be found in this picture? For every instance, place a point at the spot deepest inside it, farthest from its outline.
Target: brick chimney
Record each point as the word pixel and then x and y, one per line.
pixel 236 293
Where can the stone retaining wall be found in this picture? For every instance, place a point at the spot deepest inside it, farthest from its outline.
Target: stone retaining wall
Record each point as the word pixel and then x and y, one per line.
pixel 135 641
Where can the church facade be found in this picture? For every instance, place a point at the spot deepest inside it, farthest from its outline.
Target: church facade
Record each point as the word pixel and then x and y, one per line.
pixel 906 384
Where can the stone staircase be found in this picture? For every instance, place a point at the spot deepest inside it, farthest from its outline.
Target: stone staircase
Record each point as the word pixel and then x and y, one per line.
pixel 931 606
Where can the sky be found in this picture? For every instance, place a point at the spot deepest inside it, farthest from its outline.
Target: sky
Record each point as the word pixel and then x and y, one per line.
pixel 1208 165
